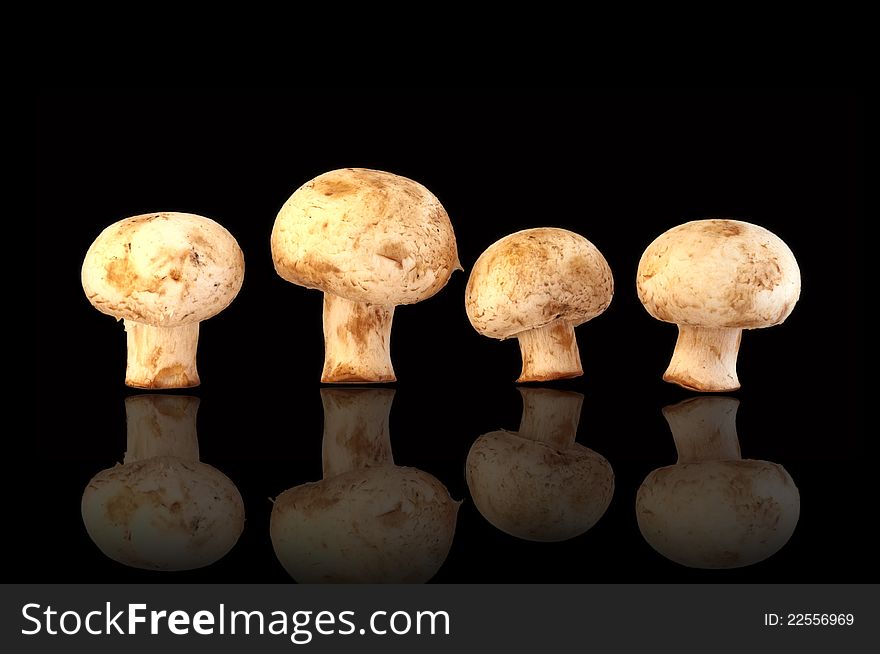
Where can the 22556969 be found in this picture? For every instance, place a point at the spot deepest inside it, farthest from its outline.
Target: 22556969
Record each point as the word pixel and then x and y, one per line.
pixel 809 619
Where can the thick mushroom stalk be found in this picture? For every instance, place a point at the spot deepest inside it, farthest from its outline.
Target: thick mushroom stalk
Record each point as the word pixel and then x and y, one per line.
pixel 357 341
pixel 370 241
pixel 163 274
pixel 368 520
pixel 538 285
pixel 714 278
pixel 161 357
pixel 549 352
pixel 714 509
pixel 705 358
pixel 538 483
pixel 162 509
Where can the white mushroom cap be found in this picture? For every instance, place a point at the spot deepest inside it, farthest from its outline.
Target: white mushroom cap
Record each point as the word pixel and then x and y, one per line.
pixel 535 491
pixel 366 236
pixel 383 524
pixel 718 514
pixel 531 278
pixel 163 269
pixel 163 513
pixel 719 273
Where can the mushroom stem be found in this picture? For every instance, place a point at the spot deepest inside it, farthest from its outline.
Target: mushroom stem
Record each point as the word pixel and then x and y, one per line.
pixel 357 341
pixel 161 425
pixel 705 359
pixel 356 431
pixel 550 416
pixel 549 352
pixel 161 357
pixel 704 429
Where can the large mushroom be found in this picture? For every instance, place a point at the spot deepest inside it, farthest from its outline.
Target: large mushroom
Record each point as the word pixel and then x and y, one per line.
pixel 162 509
pixel 538 483
pixel 538 285
pixel 163 274
pixel 368 521
pixel 713 509
pixel 370 240
pixel 714 278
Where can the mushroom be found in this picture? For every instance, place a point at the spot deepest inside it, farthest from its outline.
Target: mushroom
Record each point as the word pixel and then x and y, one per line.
pixel 162 509
pixel 538 285
pixel 538 484
pixel 163 274
pixel 714 278
pixel 713 509
pixel 370 241
pixel 368 521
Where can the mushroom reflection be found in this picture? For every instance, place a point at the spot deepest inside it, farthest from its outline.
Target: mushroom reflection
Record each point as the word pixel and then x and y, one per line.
pixel 368 521
pixel 162 509
pixel 713 509
pixel 538 483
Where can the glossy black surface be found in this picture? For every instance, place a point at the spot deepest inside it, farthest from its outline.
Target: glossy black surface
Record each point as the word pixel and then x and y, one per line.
pixel 618 168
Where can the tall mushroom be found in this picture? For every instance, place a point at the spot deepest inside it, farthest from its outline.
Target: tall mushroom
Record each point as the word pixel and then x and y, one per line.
pixel 714 278
pixel 538 285
pixel 163 274
pixel 368 521
pixel 370 241
pixel 538 483
pixel 713 509
pixel 162 509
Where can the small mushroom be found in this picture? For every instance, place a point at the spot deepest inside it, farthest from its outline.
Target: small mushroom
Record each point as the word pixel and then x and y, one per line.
pixel 538 483
pixel 714 278
pixel 538 285
pixel 162 509
pixel 370 241
pixel 368 521
pixel 163 274
pixel 713 509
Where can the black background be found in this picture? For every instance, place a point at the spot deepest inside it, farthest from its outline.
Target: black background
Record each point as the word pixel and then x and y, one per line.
pixel 617 167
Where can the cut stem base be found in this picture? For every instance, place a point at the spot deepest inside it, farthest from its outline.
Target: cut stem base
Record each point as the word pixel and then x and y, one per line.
pixel 705 359
pixel 161 357
pixel 549 352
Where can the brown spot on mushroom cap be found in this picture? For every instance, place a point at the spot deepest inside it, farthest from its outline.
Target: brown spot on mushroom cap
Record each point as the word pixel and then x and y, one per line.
pixel 532 277
pixel 333 186
pixel 367 236
pixel 718 514
pixel 316 267
pixel 120 507
pixel 721 227
pixel 719 273
pixel 165 269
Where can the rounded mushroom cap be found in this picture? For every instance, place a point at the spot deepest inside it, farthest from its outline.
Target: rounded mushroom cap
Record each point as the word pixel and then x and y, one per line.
pixel 163 514
pixel 386 524
pixel 531 278
pixel 718 514
pixel 366 236
pixel 719 273
pixel 533 491
pixel 163 269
